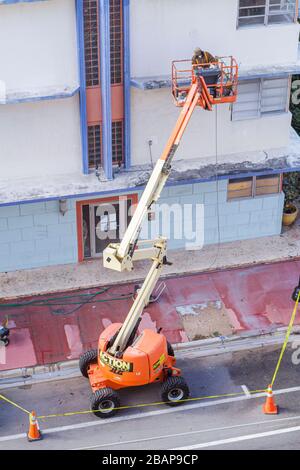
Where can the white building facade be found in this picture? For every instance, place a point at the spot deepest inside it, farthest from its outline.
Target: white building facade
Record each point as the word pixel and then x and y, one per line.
pixel 86 108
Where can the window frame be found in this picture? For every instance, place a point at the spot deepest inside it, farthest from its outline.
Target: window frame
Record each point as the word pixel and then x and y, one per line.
pixel 254 195
pixel 265 16
pixel 117 126
pixel 89 67
pixel 113 39
pixel 261 114
pixel 92 127
pixel 79 219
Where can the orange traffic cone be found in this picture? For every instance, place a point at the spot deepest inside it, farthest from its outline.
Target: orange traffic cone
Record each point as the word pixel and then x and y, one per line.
pixel 34 433
pixel 269 408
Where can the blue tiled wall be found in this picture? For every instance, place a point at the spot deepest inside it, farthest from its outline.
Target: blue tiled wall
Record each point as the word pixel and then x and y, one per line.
pixel 34 235
pixel 224 220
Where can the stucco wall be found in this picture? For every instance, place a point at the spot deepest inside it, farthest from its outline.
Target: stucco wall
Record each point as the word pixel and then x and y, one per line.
pixel 166 30
pixel 41 138
pixel 38 44
pixel 154 115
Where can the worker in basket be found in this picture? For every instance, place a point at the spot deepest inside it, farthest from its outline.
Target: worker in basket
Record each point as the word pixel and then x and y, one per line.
pixel 205 64
pixel 203 58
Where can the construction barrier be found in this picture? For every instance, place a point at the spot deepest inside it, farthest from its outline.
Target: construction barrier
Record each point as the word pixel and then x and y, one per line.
pixel 286 340
pixel 127 407
pixel 269 407
pixel 34 433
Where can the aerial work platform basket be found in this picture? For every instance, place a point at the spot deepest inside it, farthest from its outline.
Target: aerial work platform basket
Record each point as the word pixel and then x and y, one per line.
pixel 218 81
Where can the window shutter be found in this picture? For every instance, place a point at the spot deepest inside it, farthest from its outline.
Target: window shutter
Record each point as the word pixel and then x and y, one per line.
pixel 274 95
pixel 247 104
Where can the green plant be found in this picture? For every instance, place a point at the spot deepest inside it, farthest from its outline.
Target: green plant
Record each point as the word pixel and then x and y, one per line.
pixel 291 189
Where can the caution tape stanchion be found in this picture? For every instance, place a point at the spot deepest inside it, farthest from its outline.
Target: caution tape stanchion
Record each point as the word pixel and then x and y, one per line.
pixel 270 407
pixel 34 433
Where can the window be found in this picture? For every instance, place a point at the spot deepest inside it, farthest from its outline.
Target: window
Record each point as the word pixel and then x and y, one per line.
pixel 267 184
pixel 253 186
pixel 282 11
pixel 102 221
pixel 274 95
pixel 116 42
pixel 91 49
pixel 265 12
pixel 252 12
pixel 94 146
pixel 238 188
pixel 247 103
pixel 117 142
pixel 259 97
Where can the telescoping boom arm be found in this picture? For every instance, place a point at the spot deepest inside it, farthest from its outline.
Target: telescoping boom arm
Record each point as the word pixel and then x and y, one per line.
pixel 120 256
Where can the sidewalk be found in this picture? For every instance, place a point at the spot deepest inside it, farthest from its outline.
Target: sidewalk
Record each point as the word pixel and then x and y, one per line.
pixel 196 306
pixel 211 258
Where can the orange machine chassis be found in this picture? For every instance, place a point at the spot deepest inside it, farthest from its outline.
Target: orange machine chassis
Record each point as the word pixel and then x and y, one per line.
pixel 146 361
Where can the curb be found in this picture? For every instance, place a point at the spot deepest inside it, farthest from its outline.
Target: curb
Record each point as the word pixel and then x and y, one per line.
pixel 140 278
pixel 200 348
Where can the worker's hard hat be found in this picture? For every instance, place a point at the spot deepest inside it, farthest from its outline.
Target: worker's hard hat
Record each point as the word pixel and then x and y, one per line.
pixel 197 51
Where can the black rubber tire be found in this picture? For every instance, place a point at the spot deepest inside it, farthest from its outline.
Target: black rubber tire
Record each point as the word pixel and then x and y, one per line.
pixel 105 397
pixel 176 385
pixel 86 359
pixel 170 349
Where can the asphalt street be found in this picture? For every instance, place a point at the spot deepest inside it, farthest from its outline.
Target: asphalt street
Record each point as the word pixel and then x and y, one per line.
pixel 232 420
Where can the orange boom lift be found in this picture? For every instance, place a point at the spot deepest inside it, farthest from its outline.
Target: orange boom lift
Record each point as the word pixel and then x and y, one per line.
pixel 125 358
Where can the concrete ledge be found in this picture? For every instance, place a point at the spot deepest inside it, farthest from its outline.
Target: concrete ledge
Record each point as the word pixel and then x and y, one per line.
pixel 42 94
pixel 245 73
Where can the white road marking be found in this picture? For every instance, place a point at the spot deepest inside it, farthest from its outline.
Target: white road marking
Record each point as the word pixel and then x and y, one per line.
pixel 246 391
pixel 238 439
pixel 161 411
pixel 200 431
pixel 16 436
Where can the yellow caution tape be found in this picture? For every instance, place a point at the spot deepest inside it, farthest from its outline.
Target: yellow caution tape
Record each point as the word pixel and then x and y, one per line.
pixel 210 397
pixel 14 404
pixel 142 405
pixel 286 339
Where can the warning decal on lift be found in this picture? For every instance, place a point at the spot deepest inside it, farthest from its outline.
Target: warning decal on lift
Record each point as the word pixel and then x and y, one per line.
pixel 159 362
pixel 115 363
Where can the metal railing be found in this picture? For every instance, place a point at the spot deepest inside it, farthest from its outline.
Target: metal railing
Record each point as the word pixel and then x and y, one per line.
pixel 220 77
